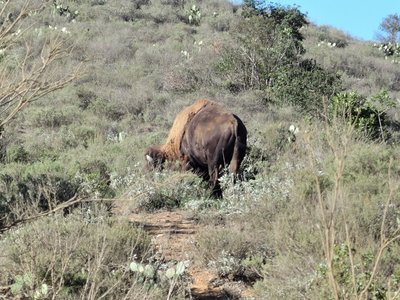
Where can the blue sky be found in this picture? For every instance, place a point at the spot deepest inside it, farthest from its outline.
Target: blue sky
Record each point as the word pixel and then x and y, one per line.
pixel 359 18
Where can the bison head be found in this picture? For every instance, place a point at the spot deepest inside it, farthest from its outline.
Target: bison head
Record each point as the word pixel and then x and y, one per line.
pixel 155 157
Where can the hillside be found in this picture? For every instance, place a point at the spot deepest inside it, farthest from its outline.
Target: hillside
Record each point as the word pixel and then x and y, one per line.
pixel 315 212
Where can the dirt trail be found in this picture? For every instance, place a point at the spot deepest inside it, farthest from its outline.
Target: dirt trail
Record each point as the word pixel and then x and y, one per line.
pixel 173 234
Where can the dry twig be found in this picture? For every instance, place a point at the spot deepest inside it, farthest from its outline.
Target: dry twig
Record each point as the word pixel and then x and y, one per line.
pixel 30 80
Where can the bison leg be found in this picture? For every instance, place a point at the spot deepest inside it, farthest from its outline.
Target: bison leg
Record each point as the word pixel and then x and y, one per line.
pixel 216 191
pixel 185 163
pixel 213 182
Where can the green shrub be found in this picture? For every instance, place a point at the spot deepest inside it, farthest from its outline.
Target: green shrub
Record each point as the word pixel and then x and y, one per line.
pixel 305 86
pixel 262 42
pixel 266 54
pixel 194 15
pixel 33 188
pixel 86 97
pixel 344 265
pixel 17 153
pixel 366 114
pixel 84 134
pixel 94 178
pixel 390 50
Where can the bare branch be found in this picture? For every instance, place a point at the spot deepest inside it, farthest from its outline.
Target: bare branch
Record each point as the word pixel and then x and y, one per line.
pixel 69 203
pixel 7 34
pixel 32 78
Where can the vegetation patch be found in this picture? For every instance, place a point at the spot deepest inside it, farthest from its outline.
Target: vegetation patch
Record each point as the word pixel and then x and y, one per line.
pixel 87 86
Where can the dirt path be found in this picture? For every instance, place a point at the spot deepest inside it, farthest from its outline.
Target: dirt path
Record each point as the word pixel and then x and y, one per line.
pixel 174 234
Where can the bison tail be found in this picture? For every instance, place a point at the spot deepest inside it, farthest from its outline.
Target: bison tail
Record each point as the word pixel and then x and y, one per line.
pixel 239 149
pixel 236 158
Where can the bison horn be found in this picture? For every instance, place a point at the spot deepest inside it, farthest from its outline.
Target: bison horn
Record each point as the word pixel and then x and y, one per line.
pixel 149 158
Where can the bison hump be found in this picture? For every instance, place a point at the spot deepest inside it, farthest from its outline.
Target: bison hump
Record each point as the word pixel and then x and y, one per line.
pixel 174 139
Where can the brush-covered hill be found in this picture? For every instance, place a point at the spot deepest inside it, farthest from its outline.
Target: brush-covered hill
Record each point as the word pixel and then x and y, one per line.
pixel 315 212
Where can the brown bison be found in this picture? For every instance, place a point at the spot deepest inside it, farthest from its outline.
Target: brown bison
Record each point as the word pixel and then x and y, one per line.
pixel 204 138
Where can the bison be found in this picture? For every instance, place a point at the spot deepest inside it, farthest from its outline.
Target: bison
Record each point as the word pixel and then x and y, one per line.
pixel 204 138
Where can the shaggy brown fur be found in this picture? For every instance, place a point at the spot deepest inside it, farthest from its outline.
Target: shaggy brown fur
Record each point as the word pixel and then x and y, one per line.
pixel 170 151
pixel 213 139
pixel 204 138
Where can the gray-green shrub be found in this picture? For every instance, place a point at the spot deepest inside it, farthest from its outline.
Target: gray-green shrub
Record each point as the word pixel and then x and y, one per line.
pixel 75 258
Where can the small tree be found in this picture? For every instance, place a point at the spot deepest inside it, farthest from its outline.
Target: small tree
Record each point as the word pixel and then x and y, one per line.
pixel 267 55
pixel 265 38
pixel 26 72
pixel 390 26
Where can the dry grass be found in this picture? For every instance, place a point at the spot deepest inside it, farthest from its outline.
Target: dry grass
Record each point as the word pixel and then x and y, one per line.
pixel 326 188
pixel 74 261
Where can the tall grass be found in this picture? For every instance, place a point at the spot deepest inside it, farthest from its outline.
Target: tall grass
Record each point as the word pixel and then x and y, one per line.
pixel 345 277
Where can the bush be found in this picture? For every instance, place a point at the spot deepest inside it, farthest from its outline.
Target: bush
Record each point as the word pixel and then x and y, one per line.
pixel 366 114
pixel 232 254
pixel 29 189
pixel 262 41
pixel 16 153
pixel 305 86
pixel 267 55
pixel 94 178
pixel 390 50
pixel 168 189
pixel 74 258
